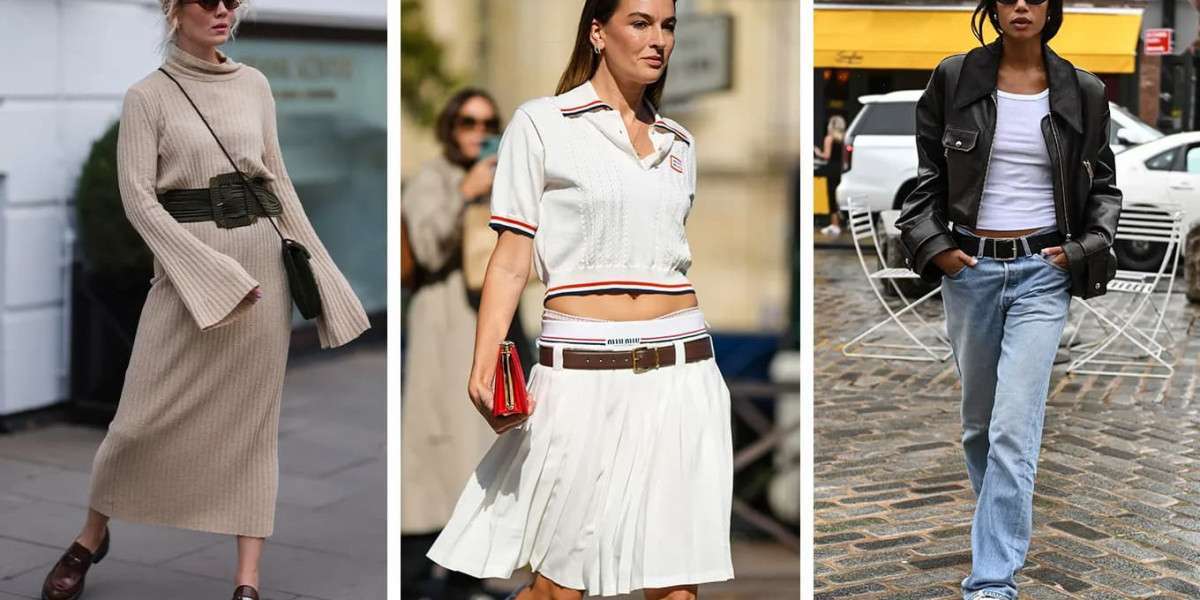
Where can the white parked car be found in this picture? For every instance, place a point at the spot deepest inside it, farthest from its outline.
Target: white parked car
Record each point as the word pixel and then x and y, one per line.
pixel 1166 169
pixel 880 159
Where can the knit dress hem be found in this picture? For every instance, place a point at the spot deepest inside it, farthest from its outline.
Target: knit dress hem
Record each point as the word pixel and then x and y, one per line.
pixel 113 512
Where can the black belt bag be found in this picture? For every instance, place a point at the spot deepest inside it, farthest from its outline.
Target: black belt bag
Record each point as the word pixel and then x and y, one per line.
pixel 296 258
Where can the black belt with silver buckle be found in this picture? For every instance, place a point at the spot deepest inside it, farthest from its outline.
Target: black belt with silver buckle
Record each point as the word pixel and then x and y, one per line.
pixel 226 201
pixel 1007 248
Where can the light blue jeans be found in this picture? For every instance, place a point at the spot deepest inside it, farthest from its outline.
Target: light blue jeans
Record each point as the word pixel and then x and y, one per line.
pixel 1004 319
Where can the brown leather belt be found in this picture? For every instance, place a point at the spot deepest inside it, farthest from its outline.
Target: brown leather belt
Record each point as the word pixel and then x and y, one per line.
pixel 640 359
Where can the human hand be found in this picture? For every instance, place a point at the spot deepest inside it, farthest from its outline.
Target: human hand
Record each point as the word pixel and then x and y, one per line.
pixel 478 180
pixel 1058 256
pixel 953 261
pixel 479 389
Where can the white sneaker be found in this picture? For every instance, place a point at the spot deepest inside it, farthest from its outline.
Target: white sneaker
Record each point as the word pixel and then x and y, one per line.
pixel 831 230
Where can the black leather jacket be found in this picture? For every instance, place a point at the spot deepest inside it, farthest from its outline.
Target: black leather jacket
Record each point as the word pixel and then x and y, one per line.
pixel 955 127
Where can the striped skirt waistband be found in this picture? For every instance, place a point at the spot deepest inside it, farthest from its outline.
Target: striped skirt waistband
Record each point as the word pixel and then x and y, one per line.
pixel 568 332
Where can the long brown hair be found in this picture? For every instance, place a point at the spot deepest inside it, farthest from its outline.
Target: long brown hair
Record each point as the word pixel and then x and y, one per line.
pixel 584 59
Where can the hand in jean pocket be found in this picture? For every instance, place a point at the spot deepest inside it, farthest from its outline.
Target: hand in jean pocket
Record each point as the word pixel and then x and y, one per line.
pixel 1057 256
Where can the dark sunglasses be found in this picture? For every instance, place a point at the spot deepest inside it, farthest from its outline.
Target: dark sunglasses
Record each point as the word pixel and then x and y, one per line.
pixel 1029 2
pixel 468 122
pixel 213 4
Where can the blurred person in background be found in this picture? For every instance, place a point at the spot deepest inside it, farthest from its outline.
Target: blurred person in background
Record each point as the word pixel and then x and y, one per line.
pixel 621 476
pixel 1015 205
pixel 442 438
pixel 194 443
pixel 831 152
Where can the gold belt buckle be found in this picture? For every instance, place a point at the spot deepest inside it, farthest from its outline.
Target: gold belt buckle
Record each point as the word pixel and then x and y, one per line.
pixel 642 369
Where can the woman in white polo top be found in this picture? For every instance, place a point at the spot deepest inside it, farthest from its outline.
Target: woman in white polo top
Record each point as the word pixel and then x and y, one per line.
pixel 621 479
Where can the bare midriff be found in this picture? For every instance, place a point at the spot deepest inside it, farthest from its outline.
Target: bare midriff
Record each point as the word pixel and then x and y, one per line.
pixel 992 233
pixel 622 306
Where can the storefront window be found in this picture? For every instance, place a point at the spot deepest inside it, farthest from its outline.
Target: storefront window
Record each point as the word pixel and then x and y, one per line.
pixel 331 99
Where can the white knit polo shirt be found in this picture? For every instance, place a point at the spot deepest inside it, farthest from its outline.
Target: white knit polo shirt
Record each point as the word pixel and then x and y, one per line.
pixel 602 220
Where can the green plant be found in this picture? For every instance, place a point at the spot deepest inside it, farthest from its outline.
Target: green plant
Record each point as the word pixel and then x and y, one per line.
pixel 108 244
pixel 424 80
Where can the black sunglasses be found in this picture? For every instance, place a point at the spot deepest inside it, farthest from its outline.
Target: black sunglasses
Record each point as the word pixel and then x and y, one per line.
pixel 469 122
pixel 1029 2
pixel 213 4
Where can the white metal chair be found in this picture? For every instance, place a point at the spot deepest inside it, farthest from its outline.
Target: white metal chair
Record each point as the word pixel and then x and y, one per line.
pixel 1157 223
pixel 934 347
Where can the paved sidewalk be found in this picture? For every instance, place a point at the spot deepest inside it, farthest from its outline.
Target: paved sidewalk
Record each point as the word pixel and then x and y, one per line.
pixel 330 531
pixel 1117 506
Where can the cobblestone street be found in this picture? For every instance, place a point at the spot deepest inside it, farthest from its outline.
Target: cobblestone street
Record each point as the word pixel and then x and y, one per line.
pixel 1117 506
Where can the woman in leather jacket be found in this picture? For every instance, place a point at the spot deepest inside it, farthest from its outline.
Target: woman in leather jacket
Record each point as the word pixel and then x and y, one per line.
pixel 1016 204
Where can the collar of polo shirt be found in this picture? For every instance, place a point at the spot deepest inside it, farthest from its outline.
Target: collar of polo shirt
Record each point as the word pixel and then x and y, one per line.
pixel 582 102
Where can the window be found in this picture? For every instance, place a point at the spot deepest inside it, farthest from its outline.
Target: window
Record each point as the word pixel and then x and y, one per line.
pixel 1164 161
pixel 332 113
pixel 1193 160
pixel 887 118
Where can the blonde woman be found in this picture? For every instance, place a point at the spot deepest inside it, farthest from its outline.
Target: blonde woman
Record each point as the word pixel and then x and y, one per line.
pixel 194 442
pixel 621 478
pixel 831 152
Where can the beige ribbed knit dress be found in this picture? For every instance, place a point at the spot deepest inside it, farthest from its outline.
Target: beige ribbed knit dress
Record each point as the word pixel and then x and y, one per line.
pixel 195 438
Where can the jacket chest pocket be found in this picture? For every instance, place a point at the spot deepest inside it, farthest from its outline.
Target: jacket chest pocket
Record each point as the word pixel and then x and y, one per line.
pixel 959 140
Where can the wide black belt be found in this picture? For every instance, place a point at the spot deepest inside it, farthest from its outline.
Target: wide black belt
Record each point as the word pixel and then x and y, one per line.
pixel 1007 248
pixel 226 201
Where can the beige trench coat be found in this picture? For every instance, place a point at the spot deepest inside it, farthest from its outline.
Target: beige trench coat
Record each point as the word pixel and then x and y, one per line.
pixel 443 437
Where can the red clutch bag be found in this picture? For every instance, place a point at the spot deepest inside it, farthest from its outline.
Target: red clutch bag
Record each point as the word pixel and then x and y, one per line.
pixel 509 397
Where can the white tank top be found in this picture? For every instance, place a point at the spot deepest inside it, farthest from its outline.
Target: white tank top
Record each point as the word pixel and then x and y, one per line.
pixel 1018 192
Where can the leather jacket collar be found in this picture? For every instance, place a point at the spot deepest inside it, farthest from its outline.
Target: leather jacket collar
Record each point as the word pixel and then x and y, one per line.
pixel 955 132
pixel 981 69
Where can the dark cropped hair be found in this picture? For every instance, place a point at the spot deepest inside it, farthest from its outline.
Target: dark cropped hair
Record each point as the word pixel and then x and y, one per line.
pixel 986 12
pixel 446 120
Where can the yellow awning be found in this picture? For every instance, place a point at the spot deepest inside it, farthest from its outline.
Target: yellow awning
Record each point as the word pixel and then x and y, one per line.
pixel 1099 40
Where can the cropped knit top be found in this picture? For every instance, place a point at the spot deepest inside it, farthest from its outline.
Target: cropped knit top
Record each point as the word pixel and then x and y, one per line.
pixel 602 218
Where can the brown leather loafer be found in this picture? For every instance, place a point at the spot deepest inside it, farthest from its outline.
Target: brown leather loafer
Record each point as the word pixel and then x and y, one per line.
pixel 245 592
pixel 65 580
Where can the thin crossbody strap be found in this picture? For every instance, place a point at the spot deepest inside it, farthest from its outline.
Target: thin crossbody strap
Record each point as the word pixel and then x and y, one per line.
pixel 245 182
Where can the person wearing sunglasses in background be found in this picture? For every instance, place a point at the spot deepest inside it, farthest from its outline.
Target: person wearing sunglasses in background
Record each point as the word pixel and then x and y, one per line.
pixel 194 443
pixel 442 438
pixel 1016 202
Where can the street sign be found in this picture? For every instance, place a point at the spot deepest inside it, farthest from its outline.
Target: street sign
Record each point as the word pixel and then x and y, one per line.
pixel 702 60
pixel 1156 42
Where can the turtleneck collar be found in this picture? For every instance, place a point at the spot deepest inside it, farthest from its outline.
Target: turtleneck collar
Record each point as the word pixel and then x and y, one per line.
pixel 179 62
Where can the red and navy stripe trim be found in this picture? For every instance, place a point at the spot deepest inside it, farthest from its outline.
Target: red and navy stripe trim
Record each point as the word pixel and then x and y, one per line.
pixel 499 224
pixel 677 132
pixel 622 287
pixel 578 110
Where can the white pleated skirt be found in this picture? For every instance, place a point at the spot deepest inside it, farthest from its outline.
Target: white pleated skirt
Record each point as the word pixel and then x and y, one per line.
pixel 618 481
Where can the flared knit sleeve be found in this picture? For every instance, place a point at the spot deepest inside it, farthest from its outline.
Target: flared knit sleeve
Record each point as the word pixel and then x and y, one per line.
pixel 214 287
pixel 342 316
